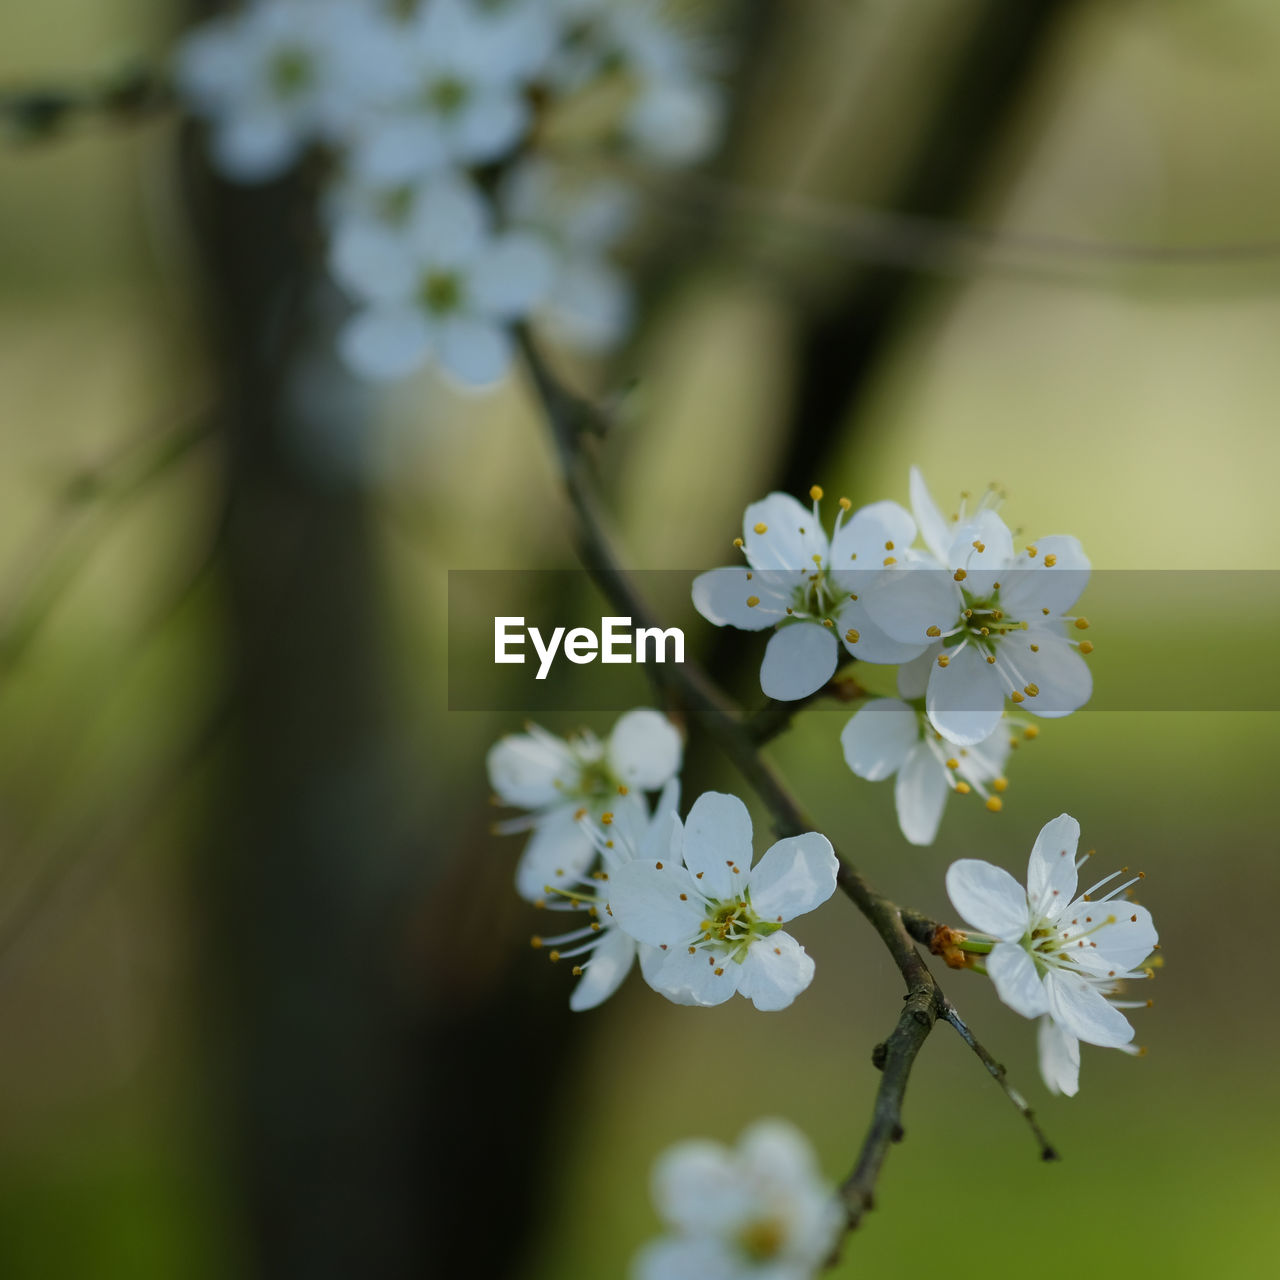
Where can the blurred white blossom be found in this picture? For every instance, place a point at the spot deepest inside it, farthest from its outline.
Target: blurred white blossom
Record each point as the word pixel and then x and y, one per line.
pixel 760 1211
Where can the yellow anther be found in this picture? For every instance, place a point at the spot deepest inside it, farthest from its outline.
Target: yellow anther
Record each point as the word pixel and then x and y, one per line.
pixel 943 660
pixel 953 763
pixel 991 659
pixel 535 942
pixel 762 527
pixel 577 971
pixel 1031 690
pixel 579 815
pixel 816 558
pixel 737 542
pixel 1017 697
pixel 959 575
pixel 845 504
pixel 606 818
pixel 1032 551
pixel 752 601
pixel 995 586
pixel 553 956
pixel 1035 648
pixel 826 622
pixel 890 560
pixel 933 631
pixel 1000 784
pixel 1031 731
pixel 815 492
pixel 979 547
pixel 1085 646
pixel 888 546
pixel 963 788
pixel 1082 624
pixel 994 804
pixel 623 789
pixel 852 636
pixel 986 631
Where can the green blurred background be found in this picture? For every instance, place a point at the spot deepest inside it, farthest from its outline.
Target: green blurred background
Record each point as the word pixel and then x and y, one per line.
pixel 1128 401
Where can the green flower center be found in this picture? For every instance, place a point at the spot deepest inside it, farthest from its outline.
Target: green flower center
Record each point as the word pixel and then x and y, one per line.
pixel 762 1239
pixel 732 926
pixel 440 292
pixel 291 72
pixel 446 95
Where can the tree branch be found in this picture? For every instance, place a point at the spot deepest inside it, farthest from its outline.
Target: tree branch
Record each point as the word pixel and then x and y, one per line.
pixel 688 686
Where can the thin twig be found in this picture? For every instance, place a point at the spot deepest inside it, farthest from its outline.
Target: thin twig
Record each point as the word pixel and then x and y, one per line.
pixel 997 1072
pixel 570 418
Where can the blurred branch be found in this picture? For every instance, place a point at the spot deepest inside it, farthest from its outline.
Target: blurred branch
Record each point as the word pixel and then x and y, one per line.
pixel 45 113
pixel 689 685
pixel 61 553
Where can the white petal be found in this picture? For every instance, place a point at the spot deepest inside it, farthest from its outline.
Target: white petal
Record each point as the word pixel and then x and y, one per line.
pixel 776 970
pixel 869 643
pixel 1062 676
pixel 693 979
pixel 1083 1010
pixel 1051 869
pixel 385 342
pixel 791 537
pixel 603 973
pixel 591 305
pixel 794 876
pixel 913 676
pixel 524 769
pixel 686 1258
pixel 558 852
pixel 987 566
pixel 988 898
pixel 677 123
pixel 877 739
pixel 398 149
pixel 1034 584
pixel 1127 942
pixel 860 542
pixel 477 353
pixel 912 599
pixel 798 660
pixel 255 148
pixel 450 222
pixel 721 596
pixel 645 901
pixel 373 263
pixel 717 838
pixel 920 795
pixel 1059 1058
pixel 1016 981
pixel 512 276
pixel 965 699
pixel 489 125
pixel 697 1187
pixel 935 529
pixel 644 749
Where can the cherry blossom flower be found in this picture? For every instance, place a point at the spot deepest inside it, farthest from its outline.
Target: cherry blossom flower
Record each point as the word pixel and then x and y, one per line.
pixel 716 919
pixel 1057 955
pixel 453 89
pixel 280 75
pixel 997 622
pixel 760 1210
pixel 811 588
pixel 557 778
pixel 442 285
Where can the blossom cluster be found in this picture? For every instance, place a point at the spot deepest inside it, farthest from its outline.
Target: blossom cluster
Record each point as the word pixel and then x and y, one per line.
pixel 682 897
pixel 464 144
pixel 980 634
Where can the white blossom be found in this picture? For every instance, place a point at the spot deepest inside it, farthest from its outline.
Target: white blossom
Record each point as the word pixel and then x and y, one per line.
pixel 812 589
pixel 716 920
pixel 889 737
pixel 581 217
pixel 760 1211
pixel 557 778
pixel 280 75
pixel 441 285
pixel 997 622
pixel 1056 955
pixel 452 89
